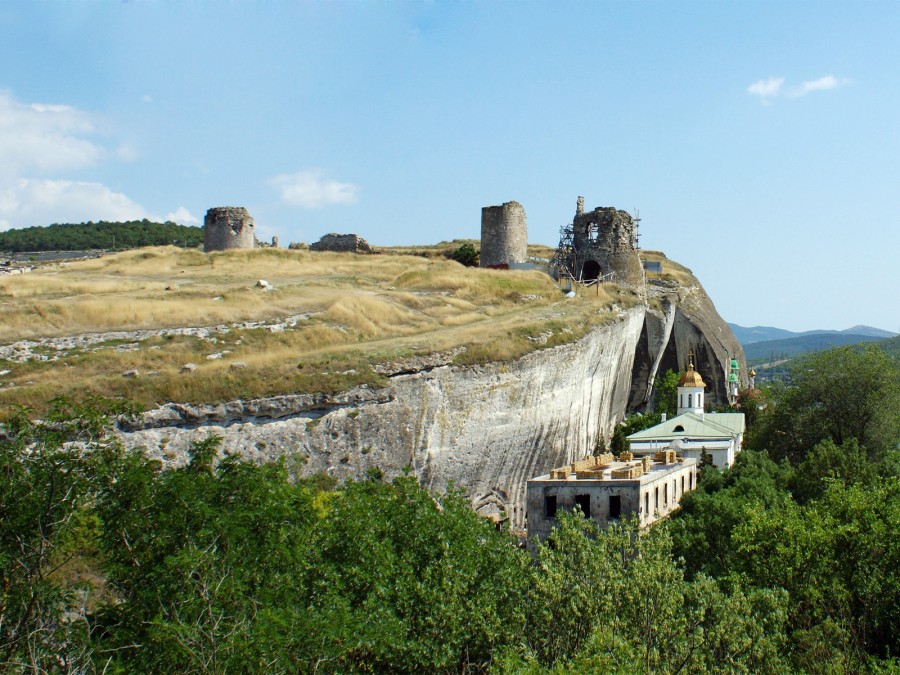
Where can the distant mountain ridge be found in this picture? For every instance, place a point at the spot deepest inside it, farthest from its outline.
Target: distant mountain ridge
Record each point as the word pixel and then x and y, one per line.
pixel 769 351
pixel 747 336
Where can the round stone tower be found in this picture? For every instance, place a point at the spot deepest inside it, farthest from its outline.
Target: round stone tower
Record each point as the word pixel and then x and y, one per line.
pixel 227 227
pixel 504 235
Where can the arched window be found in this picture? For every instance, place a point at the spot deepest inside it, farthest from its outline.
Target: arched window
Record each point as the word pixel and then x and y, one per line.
pixel 647 504
pixel 682 485
pixel 666 494
pixel 679 428
pixel 689 401
pixel 657 499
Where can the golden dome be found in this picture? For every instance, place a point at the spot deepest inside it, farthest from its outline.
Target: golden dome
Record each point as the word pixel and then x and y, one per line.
pixel 690 377
pixel 752 373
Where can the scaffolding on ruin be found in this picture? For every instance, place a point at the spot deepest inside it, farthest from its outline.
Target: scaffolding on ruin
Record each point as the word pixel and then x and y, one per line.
pixel 564 258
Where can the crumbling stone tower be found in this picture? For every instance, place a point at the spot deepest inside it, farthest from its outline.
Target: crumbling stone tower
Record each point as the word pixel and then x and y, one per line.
pixel 504 235
pixel 228 227
pixel 604 243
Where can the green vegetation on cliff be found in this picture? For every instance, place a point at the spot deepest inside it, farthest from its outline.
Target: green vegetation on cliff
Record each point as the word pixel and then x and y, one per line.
pixel 788 562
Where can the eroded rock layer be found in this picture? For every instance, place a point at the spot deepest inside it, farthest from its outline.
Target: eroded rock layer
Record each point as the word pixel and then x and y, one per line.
pixel 486 429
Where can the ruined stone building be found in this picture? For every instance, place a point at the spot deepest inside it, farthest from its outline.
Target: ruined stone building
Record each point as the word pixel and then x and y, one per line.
pixel 599 245
pixel 608 490
pixel 504 235
pixel 228 227
pixel 341 243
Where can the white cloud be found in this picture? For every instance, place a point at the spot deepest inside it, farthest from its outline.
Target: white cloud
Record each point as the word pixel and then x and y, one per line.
pixel 311 190
pixel 29 202
pixel 766 88
pixel 183 217
pixel 772 87
pixel 44 137
pixel 822 84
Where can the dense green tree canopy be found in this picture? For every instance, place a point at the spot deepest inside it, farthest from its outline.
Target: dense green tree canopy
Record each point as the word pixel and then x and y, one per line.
pixel 100 235
pixel 840 394
pixel 787 562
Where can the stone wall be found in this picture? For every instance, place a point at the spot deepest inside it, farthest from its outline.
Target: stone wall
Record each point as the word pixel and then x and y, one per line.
pixel 605 241
pixel 504 235
pixel 341 243
pixel 228 227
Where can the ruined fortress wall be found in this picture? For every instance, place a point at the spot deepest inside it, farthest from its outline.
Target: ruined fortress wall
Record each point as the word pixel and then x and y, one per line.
pixel 607 236
pixel 605 229
pixel 504 234
pixel 228 227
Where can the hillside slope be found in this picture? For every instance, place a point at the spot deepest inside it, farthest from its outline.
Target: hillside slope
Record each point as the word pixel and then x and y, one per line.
pixel 774 350
pixel 481 378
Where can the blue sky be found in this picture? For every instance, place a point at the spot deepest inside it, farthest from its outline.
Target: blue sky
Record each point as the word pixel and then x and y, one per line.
pixel 759 140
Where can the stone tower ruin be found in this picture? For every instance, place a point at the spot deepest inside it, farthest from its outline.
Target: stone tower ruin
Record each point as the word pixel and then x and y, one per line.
pixel 228 227
pixel 600 244
pixel 504 235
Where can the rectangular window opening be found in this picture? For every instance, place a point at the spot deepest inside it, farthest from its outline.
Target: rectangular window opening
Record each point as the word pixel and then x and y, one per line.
pixel 550 506
pixel 615 507
pixel 584 503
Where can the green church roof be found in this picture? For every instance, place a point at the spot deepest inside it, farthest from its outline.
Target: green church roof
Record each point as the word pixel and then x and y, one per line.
pixel 711 425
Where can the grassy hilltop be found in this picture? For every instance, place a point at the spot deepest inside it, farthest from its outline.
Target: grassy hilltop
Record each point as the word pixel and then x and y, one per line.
pixel 353 312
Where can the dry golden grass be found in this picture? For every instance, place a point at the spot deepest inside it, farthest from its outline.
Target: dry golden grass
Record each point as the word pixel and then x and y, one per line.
pixel 671 270
pixel 362 310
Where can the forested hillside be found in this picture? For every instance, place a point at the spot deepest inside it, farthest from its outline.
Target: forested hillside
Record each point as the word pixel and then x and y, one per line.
pixel 101 235
pixel 775 350
pixel 788 562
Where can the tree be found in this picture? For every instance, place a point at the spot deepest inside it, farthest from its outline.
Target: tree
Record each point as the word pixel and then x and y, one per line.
pixel 665 393
pixel 612 601
pixel 620 443
pixel 600 446
pixel 465 255
pixel 703 528
pixel 826 463
pixel 47 470
pixel 839 559
pixel 839 394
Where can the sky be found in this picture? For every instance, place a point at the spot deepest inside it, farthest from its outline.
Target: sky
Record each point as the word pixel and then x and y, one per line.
pixel 759 141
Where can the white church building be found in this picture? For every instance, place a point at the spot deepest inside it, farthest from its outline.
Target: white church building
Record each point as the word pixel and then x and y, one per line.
pixel 693 432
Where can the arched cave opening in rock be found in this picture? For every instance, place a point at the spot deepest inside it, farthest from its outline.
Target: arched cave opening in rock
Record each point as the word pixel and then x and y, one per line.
pixel 590 270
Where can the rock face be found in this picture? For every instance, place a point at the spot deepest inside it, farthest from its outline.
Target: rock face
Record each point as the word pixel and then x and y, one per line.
pixel 685 322
pixel 341 243
pixel 487 429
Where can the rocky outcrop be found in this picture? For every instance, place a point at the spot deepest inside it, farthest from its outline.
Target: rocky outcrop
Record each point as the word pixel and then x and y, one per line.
pixel 486 429
pixel 342 243
pixel 682 320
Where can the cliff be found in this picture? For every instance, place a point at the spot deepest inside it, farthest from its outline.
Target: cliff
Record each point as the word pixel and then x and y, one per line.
pixel 487 428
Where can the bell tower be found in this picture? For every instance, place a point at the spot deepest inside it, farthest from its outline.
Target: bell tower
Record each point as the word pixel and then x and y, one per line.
pixel 690 390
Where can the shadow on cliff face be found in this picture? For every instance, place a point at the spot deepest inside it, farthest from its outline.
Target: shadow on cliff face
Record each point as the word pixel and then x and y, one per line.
pixel 667 339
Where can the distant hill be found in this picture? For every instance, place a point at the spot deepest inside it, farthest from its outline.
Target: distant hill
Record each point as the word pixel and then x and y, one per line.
pixel 100 235
pixel 778 350
pixel 749 336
